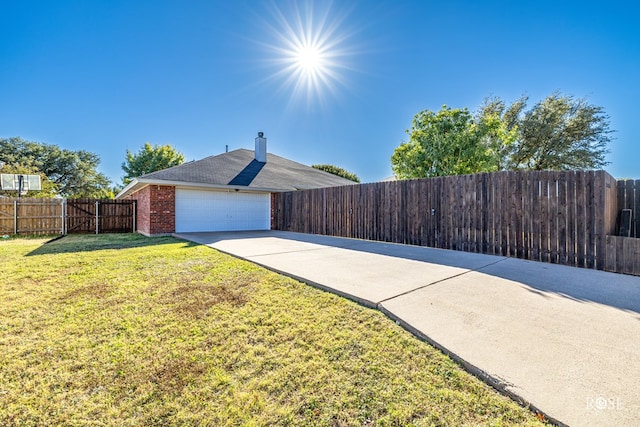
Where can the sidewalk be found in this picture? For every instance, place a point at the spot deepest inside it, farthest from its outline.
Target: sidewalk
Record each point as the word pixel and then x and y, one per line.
pixel 564 339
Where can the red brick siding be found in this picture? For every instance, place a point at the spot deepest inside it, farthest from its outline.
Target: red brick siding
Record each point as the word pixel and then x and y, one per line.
pixel 163 209
pixel 156 209
pixel 142 209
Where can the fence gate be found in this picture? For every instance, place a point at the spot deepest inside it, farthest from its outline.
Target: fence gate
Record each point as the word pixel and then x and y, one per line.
pixel 100 216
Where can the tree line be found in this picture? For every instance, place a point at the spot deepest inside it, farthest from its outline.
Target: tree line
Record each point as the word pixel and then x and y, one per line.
pixel 560 132
pixel 73 174
pixel 63 172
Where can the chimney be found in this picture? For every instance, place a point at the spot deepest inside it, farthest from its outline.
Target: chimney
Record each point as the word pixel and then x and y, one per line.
pixel 261 148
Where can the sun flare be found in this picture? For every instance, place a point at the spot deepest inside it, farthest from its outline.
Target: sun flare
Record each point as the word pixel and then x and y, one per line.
pixel 309 50
pixel 309 58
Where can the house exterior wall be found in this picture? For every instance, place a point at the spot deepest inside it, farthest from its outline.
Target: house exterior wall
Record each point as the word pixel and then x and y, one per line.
pixel 142 209
pixel 156 214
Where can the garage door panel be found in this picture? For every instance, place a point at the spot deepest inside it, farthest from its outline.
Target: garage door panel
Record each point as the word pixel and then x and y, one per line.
pixel 200 210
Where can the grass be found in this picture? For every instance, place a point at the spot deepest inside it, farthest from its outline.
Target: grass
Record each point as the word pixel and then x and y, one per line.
pixel 124 330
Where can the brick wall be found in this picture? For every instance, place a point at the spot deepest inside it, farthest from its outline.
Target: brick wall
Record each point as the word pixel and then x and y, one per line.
pixel 156 209
pixel 142 213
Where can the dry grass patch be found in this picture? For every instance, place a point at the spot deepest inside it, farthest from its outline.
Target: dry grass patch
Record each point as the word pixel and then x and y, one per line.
pixel 195 300
pixel 123 330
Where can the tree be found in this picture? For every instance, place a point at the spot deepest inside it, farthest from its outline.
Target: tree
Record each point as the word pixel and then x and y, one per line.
pixel 338 171
pixel 451 142
pixel 150 159
pixel 558 133
pixel 74 173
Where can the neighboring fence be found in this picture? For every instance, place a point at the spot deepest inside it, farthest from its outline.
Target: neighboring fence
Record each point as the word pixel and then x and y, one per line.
pixel 623 250
pixel 557 217
pixel 64 216
pixel 31 216
pixel 629 198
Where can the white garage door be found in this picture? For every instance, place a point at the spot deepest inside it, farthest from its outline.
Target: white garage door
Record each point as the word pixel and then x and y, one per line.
pixel 200 210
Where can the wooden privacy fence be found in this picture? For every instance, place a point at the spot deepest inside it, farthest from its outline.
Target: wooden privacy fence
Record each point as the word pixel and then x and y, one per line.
pixel 28 216
pixel 629 198
pixel 31 216
pixel 557 217
pixel 100 216
pixel 623 250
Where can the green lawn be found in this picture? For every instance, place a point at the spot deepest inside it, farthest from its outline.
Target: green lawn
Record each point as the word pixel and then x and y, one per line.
pixel 125 330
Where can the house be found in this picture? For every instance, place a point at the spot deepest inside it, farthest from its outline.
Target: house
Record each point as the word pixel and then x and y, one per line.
pixel 227 192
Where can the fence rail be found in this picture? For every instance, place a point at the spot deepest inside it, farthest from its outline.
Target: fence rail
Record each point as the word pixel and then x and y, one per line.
pixel 29 216
pixel 556 217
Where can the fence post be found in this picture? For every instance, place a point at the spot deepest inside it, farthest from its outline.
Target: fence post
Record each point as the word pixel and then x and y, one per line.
pixel 97 216
pixel 15 217
pixel 64 216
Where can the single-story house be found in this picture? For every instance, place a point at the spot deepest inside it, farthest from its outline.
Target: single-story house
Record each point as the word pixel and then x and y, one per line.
pixel 227 192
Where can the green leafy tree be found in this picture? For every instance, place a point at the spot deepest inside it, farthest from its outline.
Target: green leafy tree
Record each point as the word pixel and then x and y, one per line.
pixel 504 123
pixel 73 173
pixel 452 142
pixel 558 133
pixel 150 159
pixel 338 171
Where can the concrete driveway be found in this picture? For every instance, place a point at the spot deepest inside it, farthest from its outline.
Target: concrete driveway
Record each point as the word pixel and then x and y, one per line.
pixel 565 340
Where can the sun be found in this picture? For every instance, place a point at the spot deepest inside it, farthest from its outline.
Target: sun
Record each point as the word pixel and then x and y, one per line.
pixel 308 50
pixel 309 59
pixel 309 67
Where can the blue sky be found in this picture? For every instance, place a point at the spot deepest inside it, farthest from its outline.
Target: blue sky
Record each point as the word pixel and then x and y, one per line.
pixel 107 76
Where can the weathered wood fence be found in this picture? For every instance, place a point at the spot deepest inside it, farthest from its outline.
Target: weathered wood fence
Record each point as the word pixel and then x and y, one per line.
pixel 556 217
pixel 29 216
pixel 623 250
pixel 629 198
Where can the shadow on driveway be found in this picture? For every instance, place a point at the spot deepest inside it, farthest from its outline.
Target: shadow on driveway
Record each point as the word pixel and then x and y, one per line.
pixel 583 285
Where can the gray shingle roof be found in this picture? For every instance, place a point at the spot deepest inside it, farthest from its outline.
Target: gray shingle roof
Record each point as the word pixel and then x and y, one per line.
pixel 239 168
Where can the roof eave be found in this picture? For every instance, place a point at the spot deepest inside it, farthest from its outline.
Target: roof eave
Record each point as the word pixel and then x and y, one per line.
pixel 139 183
pixel 128 189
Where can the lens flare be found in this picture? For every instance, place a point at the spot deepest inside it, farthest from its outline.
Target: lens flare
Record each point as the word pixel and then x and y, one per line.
pixel 307 50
